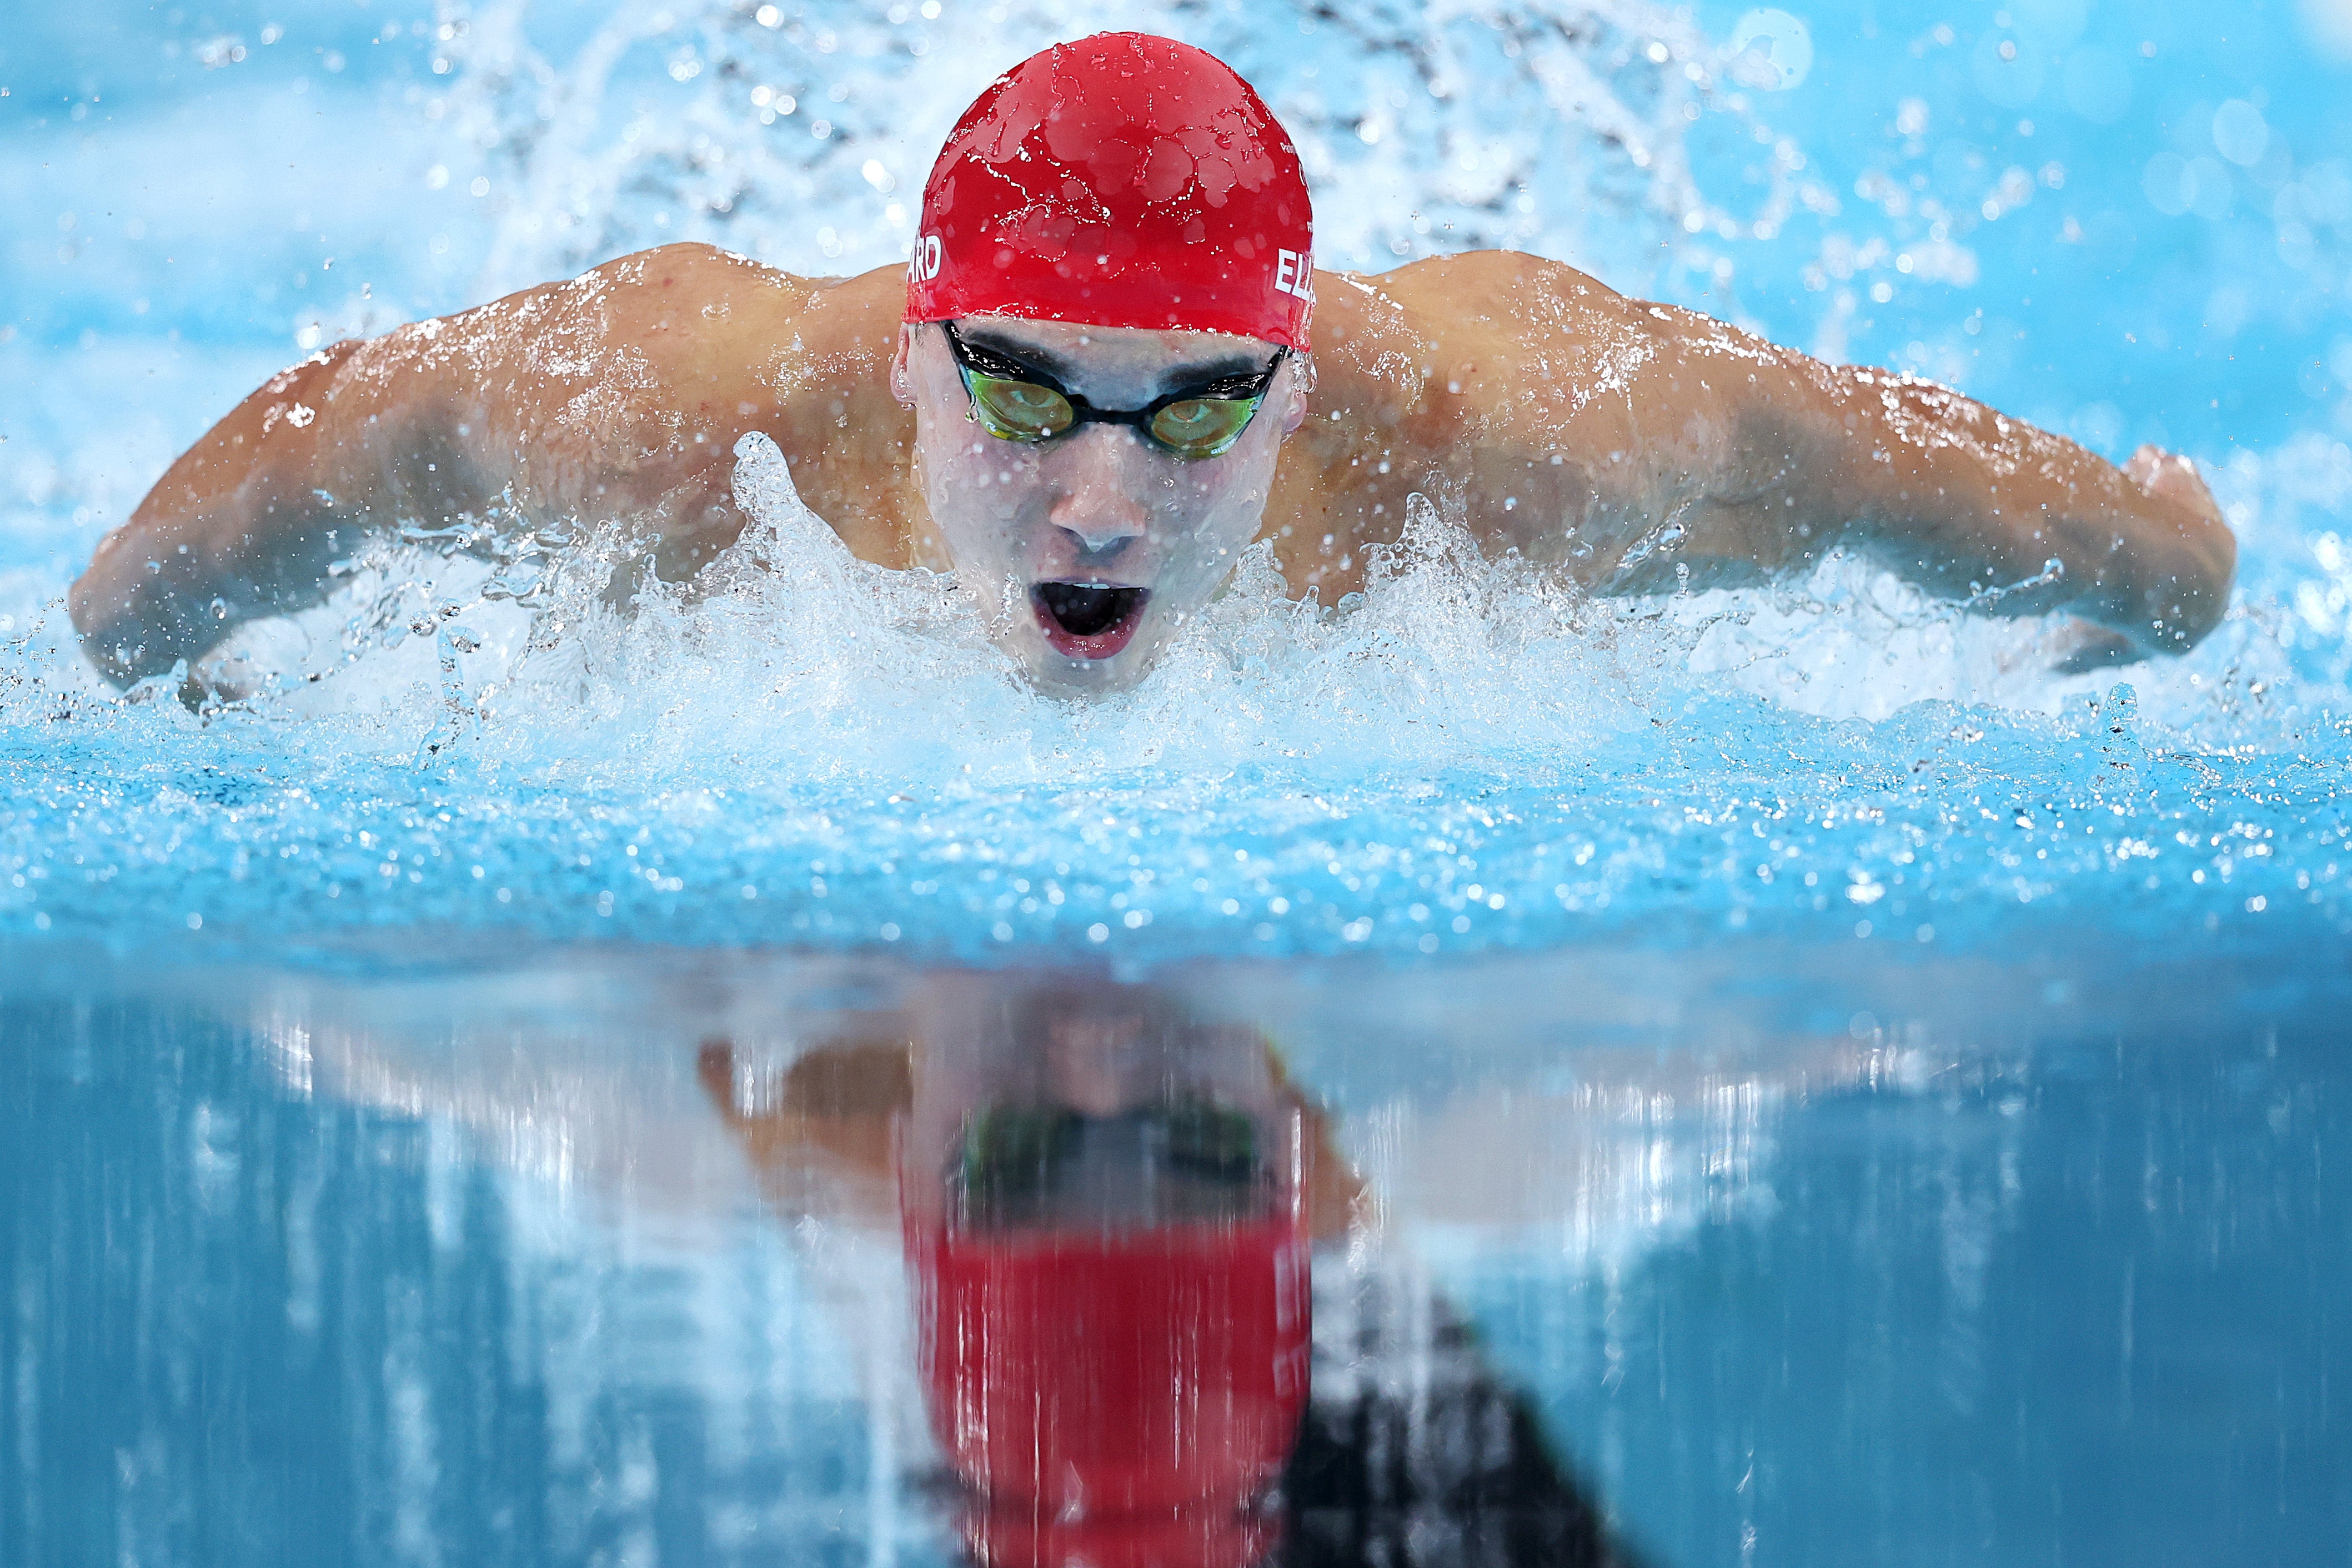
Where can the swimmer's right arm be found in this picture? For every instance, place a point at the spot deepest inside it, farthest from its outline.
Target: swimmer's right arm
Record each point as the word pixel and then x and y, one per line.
pixel 617 395
pixel 247 521
pixel 434 422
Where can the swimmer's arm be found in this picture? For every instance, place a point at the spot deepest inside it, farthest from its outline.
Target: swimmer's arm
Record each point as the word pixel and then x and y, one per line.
pixel 250 518
pixel 1964 501
pixel 1625 440
pixel 1769 458
pixel 435 422
pixel 616 396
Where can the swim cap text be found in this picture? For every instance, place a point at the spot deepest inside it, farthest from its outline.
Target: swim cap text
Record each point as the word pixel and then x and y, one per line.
pixel 1294 274
pixel 923 263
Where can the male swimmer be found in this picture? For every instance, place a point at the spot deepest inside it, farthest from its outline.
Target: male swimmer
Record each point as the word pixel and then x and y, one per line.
pixel 1090 389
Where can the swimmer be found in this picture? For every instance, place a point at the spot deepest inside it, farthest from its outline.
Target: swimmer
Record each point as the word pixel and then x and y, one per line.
pixel 1113 1367
pixel 1091 390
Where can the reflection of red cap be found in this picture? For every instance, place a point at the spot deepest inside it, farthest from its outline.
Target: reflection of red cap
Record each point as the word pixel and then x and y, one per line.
pixel 1121 181
pixel 1121 1399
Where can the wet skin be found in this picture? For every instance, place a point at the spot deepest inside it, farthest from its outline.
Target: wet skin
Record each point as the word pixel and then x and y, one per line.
pixel 1098 506
pixel 1615 439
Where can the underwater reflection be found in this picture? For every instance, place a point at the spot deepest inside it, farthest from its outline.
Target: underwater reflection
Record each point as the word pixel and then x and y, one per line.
pixel 1108 1205
pixel 625 1255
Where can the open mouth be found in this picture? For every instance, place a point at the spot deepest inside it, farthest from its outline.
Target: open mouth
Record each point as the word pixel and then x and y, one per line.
pixel 1088 619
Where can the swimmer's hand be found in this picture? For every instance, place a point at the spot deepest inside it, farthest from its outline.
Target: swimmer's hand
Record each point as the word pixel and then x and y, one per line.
pixel 2203 550
pixel 2173 481
pixel 2085 646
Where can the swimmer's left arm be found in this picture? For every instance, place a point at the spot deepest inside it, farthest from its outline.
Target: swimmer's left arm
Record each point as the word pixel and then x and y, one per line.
pixel 1643 447
pixel 2011 520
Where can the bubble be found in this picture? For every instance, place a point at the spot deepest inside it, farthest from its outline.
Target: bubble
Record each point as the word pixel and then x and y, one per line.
pixel 2010 76
pixel 2240 132
pixel 1771 49
pixel 2177 186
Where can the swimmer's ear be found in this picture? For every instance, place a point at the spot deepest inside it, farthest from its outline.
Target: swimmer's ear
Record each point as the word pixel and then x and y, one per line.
pixel 902 380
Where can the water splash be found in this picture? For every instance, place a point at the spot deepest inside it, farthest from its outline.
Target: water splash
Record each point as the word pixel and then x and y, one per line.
pixel 498 734
pixel 803 747
pixel 801 134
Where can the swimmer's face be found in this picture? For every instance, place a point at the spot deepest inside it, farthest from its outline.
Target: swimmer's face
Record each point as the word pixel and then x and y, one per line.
pixel 1092 549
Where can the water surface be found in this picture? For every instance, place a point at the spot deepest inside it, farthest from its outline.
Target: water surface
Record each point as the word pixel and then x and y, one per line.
pixel 1823 1087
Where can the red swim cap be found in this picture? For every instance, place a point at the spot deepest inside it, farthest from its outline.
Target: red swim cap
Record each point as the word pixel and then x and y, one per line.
pixel 1121 181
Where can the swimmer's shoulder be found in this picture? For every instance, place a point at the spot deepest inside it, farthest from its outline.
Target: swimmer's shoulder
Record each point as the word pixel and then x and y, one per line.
pixel 1477 337
pixel 1441 296
pixel 736 346
pixel 708 315
pixel 702 274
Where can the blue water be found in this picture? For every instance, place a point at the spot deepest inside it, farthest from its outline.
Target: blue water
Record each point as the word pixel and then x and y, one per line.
pixel 1801 1256
pixel 2049 1281
pixel 1836 756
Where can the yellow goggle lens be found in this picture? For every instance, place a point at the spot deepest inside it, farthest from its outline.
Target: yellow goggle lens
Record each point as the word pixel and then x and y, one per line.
pixel 1019 410
pixel 1202 426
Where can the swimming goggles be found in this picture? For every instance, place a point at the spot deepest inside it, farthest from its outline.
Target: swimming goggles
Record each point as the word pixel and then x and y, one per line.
pixel 1013 401
pixel 1022 1164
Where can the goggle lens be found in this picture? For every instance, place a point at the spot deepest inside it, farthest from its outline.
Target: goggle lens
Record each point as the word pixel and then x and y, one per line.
pixel 1019 410
pixel 1021 1164
pixel 1202 426
pixel 1010 409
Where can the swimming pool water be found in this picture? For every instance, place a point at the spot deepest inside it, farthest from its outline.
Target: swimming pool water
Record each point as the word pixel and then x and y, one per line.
pixel 1471 759
pixel 1798 1256
pixel 2022 1243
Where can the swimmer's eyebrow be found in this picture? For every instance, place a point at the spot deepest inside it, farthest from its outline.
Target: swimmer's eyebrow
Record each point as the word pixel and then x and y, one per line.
pixel 1207 375
pixel 1038 362
pixel 1204 376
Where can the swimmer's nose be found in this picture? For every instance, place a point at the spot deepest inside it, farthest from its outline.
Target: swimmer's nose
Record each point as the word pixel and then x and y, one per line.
pixel 1097 501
